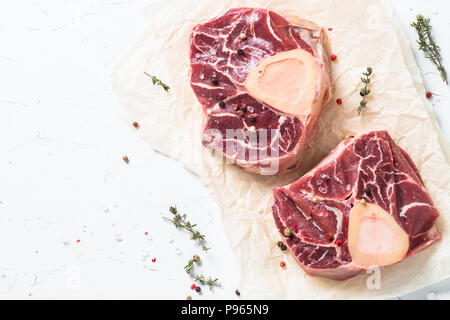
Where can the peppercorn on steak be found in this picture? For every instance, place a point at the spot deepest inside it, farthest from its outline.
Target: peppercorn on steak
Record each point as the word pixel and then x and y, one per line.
pixel 262 82
pixel 362 206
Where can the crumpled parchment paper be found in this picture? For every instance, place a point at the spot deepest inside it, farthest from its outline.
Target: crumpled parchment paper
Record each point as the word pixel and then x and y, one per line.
pixel 365 33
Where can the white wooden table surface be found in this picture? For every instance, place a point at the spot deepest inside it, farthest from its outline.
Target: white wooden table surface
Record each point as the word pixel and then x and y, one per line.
pixel 62 178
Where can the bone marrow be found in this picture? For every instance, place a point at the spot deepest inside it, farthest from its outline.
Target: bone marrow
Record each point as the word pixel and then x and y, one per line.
pixel 292 93
pixel 374 237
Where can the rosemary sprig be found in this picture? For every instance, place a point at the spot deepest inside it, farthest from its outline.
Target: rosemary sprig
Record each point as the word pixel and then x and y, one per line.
pixel 209 282
pixel 428 45
pixel 156 81
pixel 364 92
pixel 180 222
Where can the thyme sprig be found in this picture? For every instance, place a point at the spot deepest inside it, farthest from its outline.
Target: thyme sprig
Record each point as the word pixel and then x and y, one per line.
pixel 428 45
pixel 158 82
pixel 209 282
pixel 180 222
pixel 364 92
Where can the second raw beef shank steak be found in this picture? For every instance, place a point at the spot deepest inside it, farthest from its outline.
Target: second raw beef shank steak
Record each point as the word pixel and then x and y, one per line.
pixel 262 82
pixel 362 206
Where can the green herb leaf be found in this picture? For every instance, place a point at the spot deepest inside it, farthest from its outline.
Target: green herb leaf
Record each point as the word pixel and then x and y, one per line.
pixel 189 266
pixel 158 82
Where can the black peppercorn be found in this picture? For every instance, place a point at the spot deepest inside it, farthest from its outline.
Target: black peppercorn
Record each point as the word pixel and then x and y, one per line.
pixel 367 191
pixel 214 81
pixel 222 104
pixel 283 247
pixel 244 108
pixel 240 52
pixel 198 289
pixel 237 293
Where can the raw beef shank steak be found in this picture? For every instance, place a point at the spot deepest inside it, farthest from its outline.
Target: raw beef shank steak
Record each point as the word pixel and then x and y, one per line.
pixel 362 206
pixel 262 82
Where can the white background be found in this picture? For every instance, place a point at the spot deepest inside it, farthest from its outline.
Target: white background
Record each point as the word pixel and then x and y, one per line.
pixel 62 177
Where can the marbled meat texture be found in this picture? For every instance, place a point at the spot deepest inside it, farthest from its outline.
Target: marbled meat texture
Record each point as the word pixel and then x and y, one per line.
pixel 215 54
pixel 371 167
